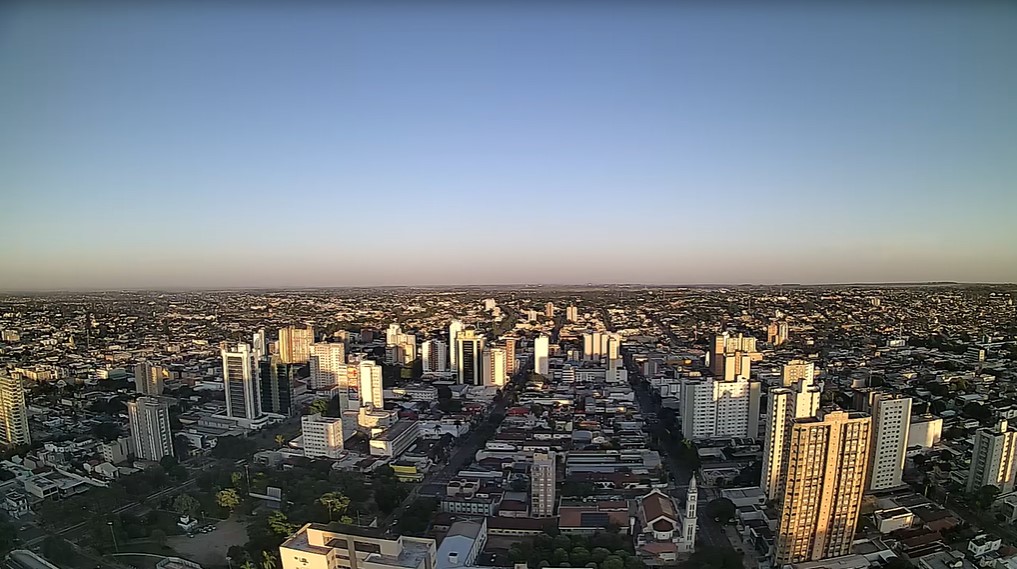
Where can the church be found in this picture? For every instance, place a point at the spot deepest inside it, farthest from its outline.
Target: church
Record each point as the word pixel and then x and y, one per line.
pixel 664 530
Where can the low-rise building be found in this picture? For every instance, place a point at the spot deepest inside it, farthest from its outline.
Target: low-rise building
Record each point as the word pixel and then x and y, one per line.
pixel 315 547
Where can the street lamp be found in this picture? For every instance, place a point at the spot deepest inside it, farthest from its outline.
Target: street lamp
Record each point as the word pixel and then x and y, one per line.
pixel 229 561
pixel 113 533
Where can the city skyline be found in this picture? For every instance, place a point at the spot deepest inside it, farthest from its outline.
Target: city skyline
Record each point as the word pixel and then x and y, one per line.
pixel 214 146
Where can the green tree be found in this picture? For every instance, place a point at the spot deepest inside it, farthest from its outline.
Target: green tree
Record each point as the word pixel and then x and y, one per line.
pixel 268 561
pixel 318 406
pixel 562 542
pixel 560 556
pixel 721 509
pixel 599 554
pixel 280 440
pixel 580 556
pixel 986 495
pixel 186 505
pixel 228 499
pixel 335 503
pixel 612 562
pixel 279 524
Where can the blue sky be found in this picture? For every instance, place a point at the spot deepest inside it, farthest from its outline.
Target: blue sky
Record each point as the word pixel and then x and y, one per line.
pixel 224 144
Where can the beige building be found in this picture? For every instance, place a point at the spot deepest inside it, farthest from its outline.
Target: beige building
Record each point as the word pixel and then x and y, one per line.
pixel 730 355
pixel 149 420
pixel 13 412
pixel 315 547
pixel 322 436
pixel 295 344
pixel 328 364
pixel 992 460
pixel 785 404
pixel 542 484
pixel 826 473
pixel 798 370
pixel 495 367
pixel 148 378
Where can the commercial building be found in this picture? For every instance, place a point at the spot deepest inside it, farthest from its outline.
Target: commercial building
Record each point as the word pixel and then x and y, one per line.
pixel 716 409
pixel 295 344
pixel 891 420
pixel 315 547
pixel 240 382
pixel 150 427
pixel 992 460
pixel 148 378
pixel 495 367
pixel 322 436
pixel 328 364
pixel 785 405
pixel 13 412
pixel 394 441
pixel 541 363
pixel 827 461
pixel 469 358
pixel 542 484
pixel 434 356
pixel 276 380
pixel 462 544
pixel 372 391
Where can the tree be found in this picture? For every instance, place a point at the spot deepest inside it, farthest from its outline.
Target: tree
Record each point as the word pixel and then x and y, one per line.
pixel 986 495
pixel 599 554
pixel 159 537
pixel 335 503
pixel 168 462
pixel 721 509
pixel 919 460
pixel 612 562
pixel 279 524
pixel 228 498
pixel 560 556
pixel 580 556
pixel 186 505
pixel 268 561
pixel 8 537
pixel 280 440
pixel 318 407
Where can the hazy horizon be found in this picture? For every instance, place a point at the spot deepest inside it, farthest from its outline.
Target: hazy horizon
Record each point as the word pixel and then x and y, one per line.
pixel 305 145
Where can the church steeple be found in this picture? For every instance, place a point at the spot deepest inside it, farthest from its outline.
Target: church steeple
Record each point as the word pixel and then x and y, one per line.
pixel 688 539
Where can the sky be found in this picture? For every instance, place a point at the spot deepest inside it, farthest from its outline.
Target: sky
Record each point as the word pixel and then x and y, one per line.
pixel 222 144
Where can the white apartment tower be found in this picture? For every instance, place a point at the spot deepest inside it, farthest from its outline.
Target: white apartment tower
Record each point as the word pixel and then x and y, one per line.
pixel 13 412
pixel 785 404
pixel 495 367
pixel 891 423
pixel 542 481
pixel 150 428
pixel 992 461
pixel 322 436
pixel 572 314
pixel 148 378
pixel 372 392
pixel 549 310
pixel 434 355
pixel 328 365
pixel 453 336
pixel 295 344
pixel 715 409
pixel 260 344
pixel 541 346
pixel 240 380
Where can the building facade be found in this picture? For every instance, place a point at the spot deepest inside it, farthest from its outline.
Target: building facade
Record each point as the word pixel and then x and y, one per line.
pixel 542 484
pixel 276 380
pixel 295 344
pixel 322 436
pixel 240 382
pixel 328 363
pixel 149 420
pixel 541 363
pixel 992 460
pixel 434 356
pixel 784 406
pixel 469 357
pixel 891 421
pixel 716 409
pixel 148 378
pixel 13 412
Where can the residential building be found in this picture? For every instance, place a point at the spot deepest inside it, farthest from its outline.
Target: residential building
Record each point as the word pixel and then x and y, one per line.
pixel 891 419
pixel 240 381
pixel 925 431
pixel 469 350
pixel 715 409
pixel 149 420
pixel 314 546
pixel 542 484
pixel 328 365
pixel 13 412
pixel 454 328
pixel 784 406
pixel 549 310
pixel 776 333
pixel 372 392
pixel 322 436
pixel 572 314
pixel 295 344
pixel 276 385
pixel 992 460
pixel 434 356
pixel 259 344
pixel 148 378
pixel 541 363
pixel 826 473
pixel 798 370
pixel 730 355
pixel 495 367
pixel 510 354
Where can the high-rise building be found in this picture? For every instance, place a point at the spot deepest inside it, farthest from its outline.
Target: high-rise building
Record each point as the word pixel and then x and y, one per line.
pixel 13 412
pixel 687 542
pixel 614 357
pixel 531 315
pixel 469 349
pixel 826 471
pixel 592 342
pixel 434 355
pixel 453 335
pixel 295 344
pixel 322 436
pixel 276 385
pixel 891 423
pixel 541 364
pixel 392 334
pixel 372 392
pixel 549 310
pixel 240 380
pixel 328 362
pixel 260 344
pixel 992 460
pixel 495 367
pixel 148 378
pixel 149 419
pixel 572 314
pixel 490 304
pixel 798 370
pixel 716 409
pixel 510 354
pixel 785 404
pixel 728 351
pixel 776 333
pixel 542 484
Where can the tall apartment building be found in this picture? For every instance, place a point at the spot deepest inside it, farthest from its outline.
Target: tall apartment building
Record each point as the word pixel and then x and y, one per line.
pixel 531 315
pixel 372 391
pixel 315 547
pixel 148 378
pixel 276 385
pixel 454 328
pixel 322 436
pixel 328 363
pixel 542 484
pixel 798 370
pixel 776 333
pixel 785 404
pixel 541 362
pixel 891 423
pixel 572 314
pixel 992 460
pixel 728 356
pixel 469 350
pixel 295 344
pixel 392 334
pixel 510 354
pixel 827 461
pixel 13 412
pixel 434 355
pixel 549 310
pixel 715 409
pixel 259 344
pixel 240 380
pixel 595 345
pixel 151 435
pixel 495 367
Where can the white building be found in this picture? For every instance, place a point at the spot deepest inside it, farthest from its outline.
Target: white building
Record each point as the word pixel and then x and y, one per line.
pixel 372 391
pixel 240 381
pixel 394 440
pixel 717 409
pixel 315 547
pixel 322 436
pixel 150 427
pixel 926 431
pixel 541 363
pixel 891 419
pixel 785 405
pixel 434 356
pixel 572 314
pixel 13 412
pixel 328 364
pixel 454 328
pixel 992 461
pixel 259 344
pixel 542 484
pixel 495 367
